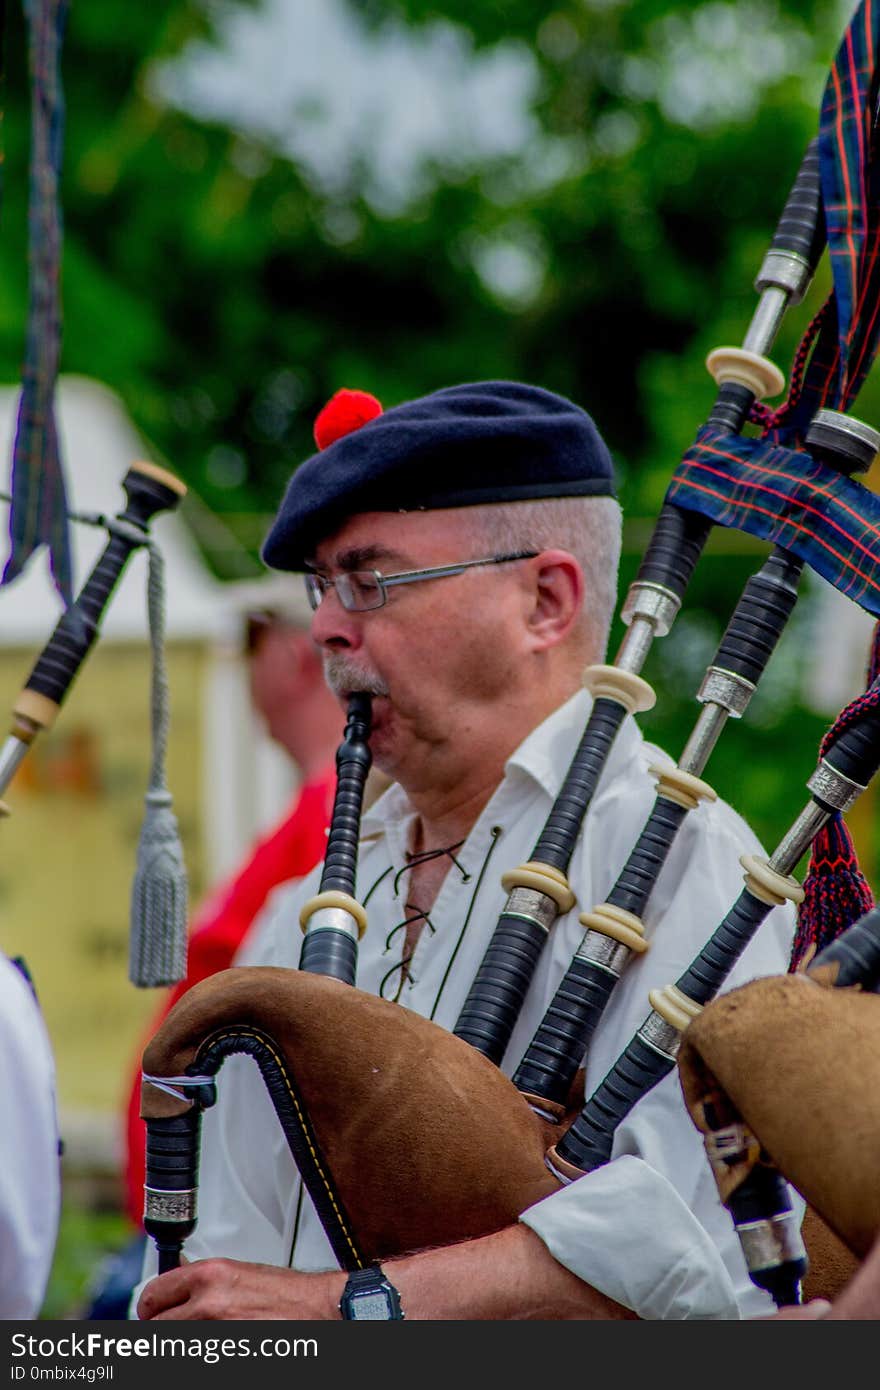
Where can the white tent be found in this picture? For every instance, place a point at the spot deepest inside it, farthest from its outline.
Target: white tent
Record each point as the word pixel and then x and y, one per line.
pixel 246 780
pixel 68 848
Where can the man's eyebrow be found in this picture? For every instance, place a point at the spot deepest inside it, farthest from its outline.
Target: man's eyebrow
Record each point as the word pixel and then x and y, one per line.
pixel 364 557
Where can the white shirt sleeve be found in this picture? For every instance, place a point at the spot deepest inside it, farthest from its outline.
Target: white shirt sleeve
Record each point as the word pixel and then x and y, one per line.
pixel 30 1182
pixel 596 1227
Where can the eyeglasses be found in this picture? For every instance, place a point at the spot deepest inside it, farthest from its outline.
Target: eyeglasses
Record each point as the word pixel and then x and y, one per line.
pixel 360 590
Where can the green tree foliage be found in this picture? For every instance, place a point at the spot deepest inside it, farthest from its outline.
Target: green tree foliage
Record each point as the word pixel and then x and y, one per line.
pixel 225 291
pixel 225 295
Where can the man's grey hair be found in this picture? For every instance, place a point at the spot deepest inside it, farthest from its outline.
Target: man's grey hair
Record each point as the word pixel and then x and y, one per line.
pixel 589 528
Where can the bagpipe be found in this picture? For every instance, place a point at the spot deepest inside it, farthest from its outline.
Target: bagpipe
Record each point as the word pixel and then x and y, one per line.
pixel 39 516
pixel 158 926
pixel 468 1150
pixel 780 1077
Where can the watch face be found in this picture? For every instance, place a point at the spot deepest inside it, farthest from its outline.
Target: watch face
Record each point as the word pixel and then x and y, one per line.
pixel 370 1305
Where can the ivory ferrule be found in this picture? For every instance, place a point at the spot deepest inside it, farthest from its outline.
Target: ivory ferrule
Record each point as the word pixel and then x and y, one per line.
pixel 542 878
pixel 37 710
pixel 758 374
pixel 673 1007
pixel 621 926
pixel 334 911
pixel 161 475
pixel 681 787
pixel 767 885
pixel 627 689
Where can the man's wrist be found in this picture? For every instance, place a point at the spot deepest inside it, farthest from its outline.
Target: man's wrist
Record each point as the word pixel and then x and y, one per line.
pixel 370 1295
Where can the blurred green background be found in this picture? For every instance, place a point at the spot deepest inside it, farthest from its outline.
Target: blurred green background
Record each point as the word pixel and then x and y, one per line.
pixel 264 202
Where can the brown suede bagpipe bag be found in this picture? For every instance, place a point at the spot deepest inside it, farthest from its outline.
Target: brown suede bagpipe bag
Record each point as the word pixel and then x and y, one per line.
pixel 419 1139
pixel 800 1064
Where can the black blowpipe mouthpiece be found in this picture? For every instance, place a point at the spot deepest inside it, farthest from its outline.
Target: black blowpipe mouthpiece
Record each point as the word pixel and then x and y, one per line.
pixel 330 947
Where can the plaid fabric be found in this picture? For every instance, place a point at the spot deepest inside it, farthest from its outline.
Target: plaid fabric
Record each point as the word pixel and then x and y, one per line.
pixel 769 487
pixel 787 497
pixel 39 513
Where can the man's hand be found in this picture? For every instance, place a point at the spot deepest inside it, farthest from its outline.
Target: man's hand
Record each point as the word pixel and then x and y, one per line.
pixel 216 1290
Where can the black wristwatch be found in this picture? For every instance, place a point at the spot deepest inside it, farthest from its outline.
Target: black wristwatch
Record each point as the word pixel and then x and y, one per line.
pixel 369 1293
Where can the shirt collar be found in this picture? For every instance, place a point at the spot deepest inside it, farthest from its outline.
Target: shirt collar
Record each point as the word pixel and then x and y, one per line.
pixel 544 756
pixel 546 753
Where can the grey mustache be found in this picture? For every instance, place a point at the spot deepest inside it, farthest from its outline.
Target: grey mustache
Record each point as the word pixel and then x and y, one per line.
pixel 343 676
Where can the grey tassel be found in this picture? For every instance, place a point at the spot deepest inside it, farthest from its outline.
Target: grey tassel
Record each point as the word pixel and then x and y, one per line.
pixel 158 939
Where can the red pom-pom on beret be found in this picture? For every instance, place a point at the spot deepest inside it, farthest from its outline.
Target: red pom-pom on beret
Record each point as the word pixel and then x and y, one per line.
pixel 344 412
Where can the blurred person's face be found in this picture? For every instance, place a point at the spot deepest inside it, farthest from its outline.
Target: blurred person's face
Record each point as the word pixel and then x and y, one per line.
pixel 273 669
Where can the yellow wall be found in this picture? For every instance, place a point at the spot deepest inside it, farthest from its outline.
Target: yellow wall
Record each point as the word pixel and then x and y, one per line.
pixel 67 853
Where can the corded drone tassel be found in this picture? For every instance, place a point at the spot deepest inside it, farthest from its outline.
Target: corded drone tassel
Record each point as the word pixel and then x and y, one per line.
pixel 836 892
pixel 159 892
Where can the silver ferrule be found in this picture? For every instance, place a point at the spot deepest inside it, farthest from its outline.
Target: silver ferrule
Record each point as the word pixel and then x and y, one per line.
pixel 833 788
pixel 727 689
pixel 660 1035
pixel 170 1206
pixel 795 843
pixel 653 602
pixel 604 952
pixel 333 919
pixel 11 756
pixel 771 1242
pixel 704 735
pixel 531 905
pixel 785 271
pixel 863 440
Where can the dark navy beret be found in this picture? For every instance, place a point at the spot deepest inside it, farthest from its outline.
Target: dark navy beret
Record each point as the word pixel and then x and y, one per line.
pixel 486 441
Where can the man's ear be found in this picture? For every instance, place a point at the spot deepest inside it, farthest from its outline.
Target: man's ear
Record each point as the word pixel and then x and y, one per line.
pixel 557 593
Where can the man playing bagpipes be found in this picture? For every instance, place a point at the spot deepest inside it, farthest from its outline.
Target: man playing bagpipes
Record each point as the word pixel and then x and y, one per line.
pixel 461 555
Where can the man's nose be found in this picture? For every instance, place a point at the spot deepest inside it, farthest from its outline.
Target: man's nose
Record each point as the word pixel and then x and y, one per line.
pixel 332 625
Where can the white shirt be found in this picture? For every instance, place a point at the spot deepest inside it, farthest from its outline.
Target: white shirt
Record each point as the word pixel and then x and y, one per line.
pixel 30 1180
pixel 648 1229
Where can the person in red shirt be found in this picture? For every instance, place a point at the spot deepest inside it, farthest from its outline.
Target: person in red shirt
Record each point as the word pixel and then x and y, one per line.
pixel 289 694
